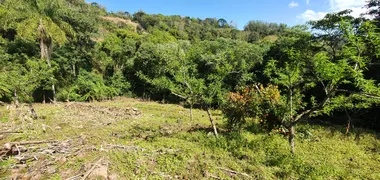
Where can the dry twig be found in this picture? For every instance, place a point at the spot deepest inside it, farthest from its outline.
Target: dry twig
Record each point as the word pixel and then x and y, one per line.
pixel 92 169
pixel 234 172
pixel 11 132
pixel 127 148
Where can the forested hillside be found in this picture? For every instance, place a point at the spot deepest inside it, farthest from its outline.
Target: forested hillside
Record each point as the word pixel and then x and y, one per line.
pixel 268 75
pixel 91 54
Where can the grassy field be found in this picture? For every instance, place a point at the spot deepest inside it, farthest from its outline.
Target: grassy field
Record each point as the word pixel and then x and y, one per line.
pixel 162 143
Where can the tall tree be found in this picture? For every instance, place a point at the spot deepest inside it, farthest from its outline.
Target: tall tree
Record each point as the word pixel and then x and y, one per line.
pixel 373 7
pixel 40 20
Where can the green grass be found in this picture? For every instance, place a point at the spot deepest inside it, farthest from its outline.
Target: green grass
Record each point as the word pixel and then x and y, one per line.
pixel 177 148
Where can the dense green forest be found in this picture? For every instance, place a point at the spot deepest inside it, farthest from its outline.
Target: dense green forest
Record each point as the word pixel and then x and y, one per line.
pixel 69 50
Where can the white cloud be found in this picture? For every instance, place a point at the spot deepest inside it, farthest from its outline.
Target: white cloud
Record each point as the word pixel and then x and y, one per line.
pixel 293 4
pixel 310 15
pixel 338 5
pixel 335 6
pixel 307 1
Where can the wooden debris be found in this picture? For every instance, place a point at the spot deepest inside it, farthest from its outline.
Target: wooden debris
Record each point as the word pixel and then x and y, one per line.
pixel 33 142
pixel 100 172
pixel 163 175
pixel 213 176
pixel 234 172
pixel 11 132
pixel 24 159
pixel 209 175
pixel 166 151
pixel 127 148
pixel 12 147
pixel 74 177
pixel 92 168
pixel 115 112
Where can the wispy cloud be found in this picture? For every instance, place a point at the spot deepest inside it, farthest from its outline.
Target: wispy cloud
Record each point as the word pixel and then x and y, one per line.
pixel 346 4
pixel 307 1
pixel 293 4
pixel 335 6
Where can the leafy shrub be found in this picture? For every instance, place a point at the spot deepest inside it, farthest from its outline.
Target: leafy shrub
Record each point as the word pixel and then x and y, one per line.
pixel 89 87
pixel 4 89
pixel 263 103
pixel 119 83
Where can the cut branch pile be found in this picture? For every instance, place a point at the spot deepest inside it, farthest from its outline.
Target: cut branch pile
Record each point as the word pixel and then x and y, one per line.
pixel 46 156
pixel 114 112
pixel 13 148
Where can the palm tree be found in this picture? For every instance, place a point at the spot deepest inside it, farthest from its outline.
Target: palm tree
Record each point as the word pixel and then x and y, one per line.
pixel 37 20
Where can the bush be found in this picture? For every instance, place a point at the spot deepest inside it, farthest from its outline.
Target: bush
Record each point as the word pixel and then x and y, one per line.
pixel 262 103
pixel 88 87
pixel 118 82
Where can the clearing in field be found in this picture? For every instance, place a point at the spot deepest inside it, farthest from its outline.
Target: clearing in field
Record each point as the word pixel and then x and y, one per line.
pixel 133 139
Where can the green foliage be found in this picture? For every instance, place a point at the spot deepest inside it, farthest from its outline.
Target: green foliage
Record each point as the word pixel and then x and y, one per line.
pixel 4 89
pixel 156 36
pixel 120 52
pixel 260 29
pixel 119 84
pixel 90 86
pixel 311 82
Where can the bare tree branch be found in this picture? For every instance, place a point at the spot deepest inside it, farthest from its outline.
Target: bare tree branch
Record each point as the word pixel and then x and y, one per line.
pixel 181 96
pixel 313 109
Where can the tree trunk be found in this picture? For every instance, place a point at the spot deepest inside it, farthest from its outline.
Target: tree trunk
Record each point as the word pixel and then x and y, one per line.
pixel 144 98
pixel 53 89
pixel 191 114
pixel 348 122
pixel 32 111
pixel 74 70
pixel 163 101
pixel 17 103
pixel 46 46
pixel 212 122
pixel 43 97
pixel 52 86
pixel 291 137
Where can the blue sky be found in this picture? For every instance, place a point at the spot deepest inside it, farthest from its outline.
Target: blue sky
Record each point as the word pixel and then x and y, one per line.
pixel 290 12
